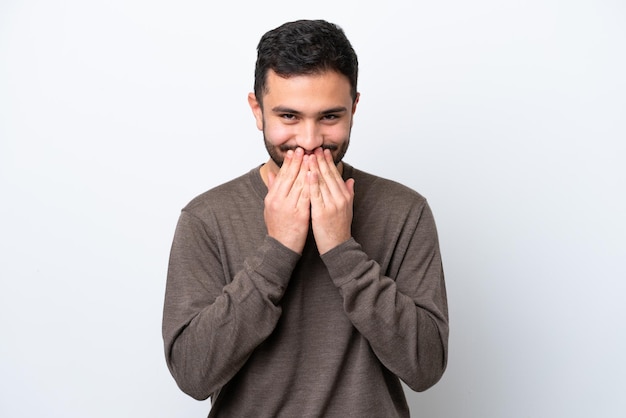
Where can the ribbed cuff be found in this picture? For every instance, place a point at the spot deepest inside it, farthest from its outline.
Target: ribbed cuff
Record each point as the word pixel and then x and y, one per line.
pixel 276 262
pixel 345 262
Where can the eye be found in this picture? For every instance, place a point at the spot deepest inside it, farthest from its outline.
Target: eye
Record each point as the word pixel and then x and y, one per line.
pixel 288 116
pixel 330 118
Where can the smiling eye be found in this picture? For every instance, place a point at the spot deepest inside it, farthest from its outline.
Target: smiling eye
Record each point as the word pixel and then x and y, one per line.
pixel 330 118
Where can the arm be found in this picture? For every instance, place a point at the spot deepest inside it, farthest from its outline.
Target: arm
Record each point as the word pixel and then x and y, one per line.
pixel 210 328
pixel 405 319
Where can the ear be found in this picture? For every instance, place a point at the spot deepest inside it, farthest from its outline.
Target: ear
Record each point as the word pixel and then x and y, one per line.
pixel 256 110
pixel 356 101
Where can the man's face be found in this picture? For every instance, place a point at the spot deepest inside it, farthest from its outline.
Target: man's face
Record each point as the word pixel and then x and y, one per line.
pixel 307 111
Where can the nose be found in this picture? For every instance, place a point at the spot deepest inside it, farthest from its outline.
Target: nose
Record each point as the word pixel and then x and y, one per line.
pixel 309 138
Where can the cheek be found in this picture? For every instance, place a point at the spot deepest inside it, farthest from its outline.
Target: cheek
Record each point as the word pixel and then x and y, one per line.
pixel 338 133
pixel 278 134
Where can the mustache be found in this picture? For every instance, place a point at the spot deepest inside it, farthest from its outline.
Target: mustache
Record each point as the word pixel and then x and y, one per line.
pixel 285 148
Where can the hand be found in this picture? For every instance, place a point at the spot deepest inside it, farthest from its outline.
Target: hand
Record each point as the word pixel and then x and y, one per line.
pixel 287 204
pixel 331 201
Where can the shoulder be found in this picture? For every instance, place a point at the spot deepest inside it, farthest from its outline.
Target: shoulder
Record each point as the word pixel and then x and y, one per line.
pixel 385 211
pixel 233 193
pixel 370 187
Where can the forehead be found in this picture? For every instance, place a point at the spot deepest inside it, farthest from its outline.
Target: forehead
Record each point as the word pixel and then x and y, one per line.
pixel 328 88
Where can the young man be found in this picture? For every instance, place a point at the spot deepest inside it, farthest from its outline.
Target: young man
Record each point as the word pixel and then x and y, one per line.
pixel 306 288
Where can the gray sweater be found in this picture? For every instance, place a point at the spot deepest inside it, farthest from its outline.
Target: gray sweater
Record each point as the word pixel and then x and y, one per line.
pixel 269 333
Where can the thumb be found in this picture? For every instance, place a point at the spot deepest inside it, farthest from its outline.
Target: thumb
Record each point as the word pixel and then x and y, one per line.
pixel 270 178
pixel 350 186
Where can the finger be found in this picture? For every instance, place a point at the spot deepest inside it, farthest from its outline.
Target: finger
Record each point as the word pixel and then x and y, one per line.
pixel 331 183
pixel 326 181
pixel 270 178
pixel 289 171
pixel 285 166
pixel 315 192
pixel 304 199
pixel 334 170
pixel 297 195
pixel 350 186
pixel 316 179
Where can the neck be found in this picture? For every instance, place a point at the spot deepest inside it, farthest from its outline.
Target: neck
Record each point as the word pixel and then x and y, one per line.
pixel 269 166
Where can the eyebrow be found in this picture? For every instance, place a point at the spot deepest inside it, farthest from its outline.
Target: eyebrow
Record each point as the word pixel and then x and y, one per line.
pixel 283 109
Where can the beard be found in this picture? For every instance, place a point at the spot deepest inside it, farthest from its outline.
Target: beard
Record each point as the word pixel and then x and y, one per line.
pixel 277 152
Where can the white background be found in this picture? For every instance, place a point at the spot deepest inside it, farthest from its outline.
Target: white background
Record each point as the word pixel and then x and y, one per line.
pixel 509 116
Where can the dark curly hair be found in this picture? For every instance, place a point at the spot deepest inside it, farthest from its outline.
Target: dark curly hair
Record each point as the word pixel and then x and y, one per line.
pixel 305 47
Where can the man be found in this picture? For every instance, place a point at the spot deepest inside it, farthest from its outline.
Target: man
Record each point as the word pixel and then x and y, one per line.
pixel 306 288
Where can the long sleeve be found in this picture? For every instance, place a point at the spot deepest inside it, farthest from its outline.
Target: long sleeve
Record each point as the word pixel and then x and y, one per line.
pixel 213 322
pixel 402 311
pixel 268 332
